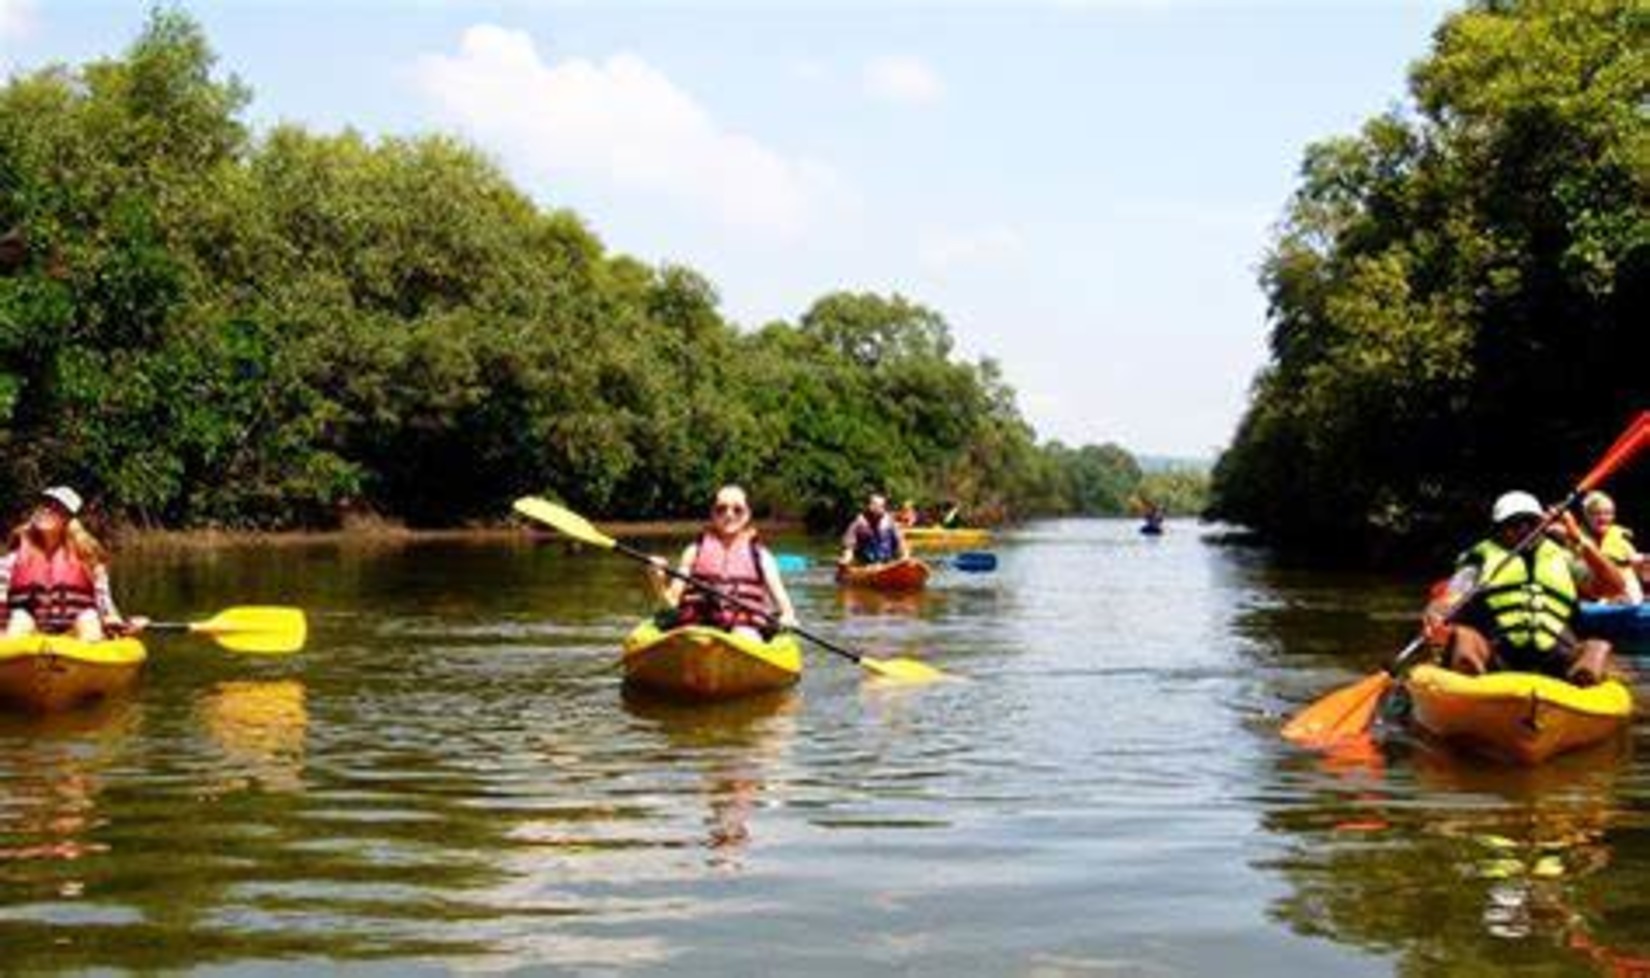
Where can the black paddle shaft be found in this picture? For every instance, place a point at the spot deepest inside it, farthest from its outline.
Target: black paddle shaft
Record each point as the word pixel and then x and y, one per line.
pixel 737 602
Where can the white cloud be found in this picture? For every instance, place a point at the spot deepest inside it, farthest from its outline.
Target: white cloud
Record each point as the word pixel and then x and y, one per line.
pixel 625 124
pixel 947 251
pixel 902 78
pixel 16 18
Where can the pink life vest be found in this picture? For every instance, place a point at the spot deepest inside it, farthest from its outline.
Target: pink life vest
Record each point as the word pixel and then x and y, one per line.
pixel 53 588
pixel 734 570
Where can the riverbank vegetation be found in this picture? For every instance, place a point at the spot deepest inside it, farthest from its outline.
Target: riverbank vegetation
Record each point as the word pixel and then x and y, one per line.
pixel 1453 290
pixel 203 326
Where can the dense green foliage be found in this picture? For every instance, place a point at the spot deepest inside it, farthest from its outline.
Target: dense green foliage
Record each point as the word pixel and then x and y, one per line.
pixel 1454 290
pixel 1178 491
pixel 199 326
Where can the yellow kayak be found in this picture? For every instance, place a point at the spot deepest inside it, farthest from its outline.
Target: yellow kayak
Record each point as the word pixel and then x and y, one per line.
pixel 44 673
pixel 703 663
pixel 939 536
pixel 1516 716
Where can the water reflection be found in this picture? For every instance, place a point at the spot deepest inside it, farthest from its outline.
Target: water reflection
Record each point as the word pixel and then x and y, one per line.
pixel 734 746
pixel 52 772
pixel 1457 867
pixel 450 776
pixel 260 726
pixel 863 602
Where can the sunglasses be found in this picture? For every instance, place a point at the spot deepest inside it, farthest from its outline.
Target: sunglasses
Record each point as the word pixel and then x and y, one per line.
pixel 729 509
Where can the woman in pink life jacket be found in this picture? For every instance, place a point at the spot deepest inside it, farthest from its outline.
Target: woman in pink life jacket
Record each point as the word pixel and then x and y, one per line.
pixel 729 557
pixel 55 575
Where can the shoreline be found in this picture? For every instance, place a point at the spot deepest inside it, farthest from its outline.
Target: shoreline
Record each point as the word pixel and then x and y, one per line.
pixel 372 533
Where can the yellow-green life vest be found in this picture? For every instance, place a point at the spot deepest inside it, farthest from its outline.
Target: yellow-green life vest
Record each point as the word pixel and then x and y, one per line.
pixel 1617 545
pixel 1526 611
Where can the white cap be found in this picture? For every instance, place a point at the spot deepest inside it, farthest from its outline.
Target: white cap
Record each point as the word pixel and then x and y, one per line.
pixel 1513 504
pixel 65 497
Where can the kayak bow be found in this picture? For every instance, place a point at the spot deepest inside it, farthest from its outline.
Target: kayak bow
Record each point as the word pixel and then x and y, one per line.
pixel 1515 716
pixel 703 663
pixel 47 673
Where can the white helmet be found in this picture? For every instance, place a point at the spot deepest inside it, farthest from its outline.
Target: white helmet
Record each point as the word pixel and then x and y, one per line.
pixel 65 497
pixel 1513 504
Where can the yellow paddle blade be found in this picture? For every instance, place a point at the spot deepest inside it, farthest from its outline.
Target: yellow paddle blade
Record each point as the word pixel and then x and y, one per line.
pixel 266 629
pixel 903 670
pixel 1346 712
pixel 562 520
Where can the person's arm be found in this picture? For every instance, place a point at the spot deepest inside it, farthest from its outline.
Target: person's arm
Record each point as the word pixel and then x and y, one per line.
pixel 113 620
pixel 776 587
pixel 105 597
pixel 1435 619
pixel 850 541
pixel 901 545
pixel 1604 578
pixel 7 562
pixel 669 589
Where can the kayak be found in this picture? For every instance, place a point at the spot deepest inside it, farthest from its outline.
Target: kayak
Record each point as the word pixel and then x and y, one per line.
pixel 909 574
pixel 44 673
pixel 1627 625
pixel 703 663
pixel 1515 716
pixel 939 536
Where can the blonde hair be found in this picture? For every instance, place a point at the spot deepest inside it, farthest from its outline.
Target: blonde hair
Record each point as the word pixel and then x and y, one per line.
pixel 76 537
pixel 1596 500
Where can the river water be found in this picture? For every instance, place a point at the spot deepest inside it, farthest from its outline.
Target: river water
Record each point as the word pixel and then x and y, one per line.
pixel 449 778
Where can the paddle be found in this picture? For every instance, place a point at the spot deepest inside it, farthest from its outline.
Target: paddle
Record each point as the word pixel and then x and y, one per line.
pixel 1349 711
pixel 791 563
pixel 260 629
pixel 571 524
pixel 971 561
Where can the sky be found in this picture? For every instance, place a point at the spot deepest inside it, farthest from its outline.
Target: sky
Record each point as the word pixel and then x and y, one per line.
pixel 1084 189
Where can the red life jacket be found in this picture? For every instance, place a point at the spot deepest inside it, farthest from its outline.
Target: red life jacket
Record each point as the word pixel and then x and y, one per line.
pixel 53 588
pixel 734 570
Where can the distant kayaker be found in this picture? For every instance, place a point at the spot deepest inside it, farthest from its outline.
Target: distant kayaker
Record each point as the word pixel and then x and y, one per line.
pixel 873 537
pixel 55 575
pixel 730 557
pixel 907 515
pixel 1520 621
pixel 1616 543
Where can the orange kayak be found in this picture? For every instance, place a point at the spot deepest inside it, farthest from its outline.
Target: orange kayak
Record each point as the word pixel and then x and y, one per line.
pixel 46 673
pixel 910 574
pixel 1516 716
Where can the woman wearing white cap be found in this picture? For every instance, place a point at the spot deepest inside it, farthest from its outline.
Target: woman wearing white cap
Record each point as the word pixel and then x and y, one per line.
pixel 55 574
pixel 1520 618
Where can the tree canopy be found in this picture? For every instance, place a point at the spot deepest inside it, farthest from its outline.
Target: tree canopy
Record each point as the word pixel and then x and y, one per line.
pixel 203 325
pixel 1453 289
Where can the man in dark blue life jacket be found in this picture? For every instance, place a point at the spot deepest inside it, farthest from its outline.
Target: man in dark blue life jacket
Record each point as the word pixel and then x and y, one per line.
pixel 873 537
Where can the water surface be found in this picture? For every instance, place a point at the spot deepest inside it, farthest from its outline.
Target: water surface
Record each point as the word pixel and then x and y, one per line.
pixel 450 779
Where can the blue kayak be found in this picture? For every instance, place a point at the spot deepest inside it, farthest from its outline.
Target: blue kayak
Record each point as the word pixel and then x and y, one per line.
pixel 1624 624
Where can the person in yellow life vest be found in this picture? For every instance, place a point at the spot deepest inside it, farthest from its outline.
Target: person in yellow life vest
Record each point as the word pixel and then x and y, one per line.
pixel 731 558
pixel 55 575
pixel 906 515
pixel 1520 619
pixel 1616 543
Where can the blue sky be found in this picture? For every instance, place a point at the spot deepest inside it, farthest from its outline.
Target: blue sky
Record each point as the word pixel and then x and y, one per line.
pixel 1084 188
